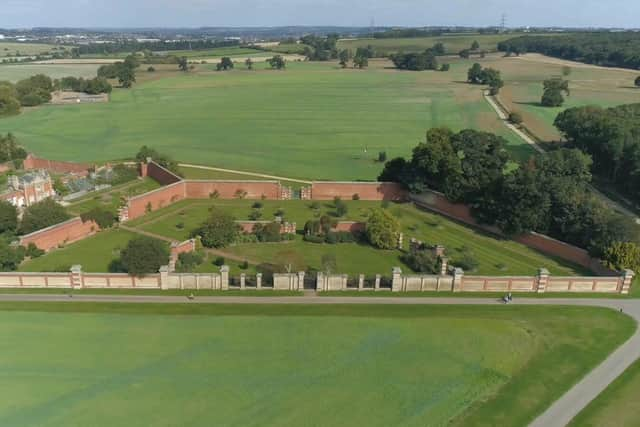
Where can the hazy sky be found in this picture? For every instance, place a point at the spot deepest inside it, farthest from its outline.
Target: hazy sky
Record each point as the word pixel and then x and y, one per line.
pixel 194 13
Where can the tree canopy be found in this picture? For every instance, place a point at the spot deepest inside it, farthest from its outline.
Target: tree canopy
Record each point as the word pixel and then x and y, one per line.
pixel 144 255
pixel 219 230
pixel 383 229
pixel 415 61
pixel 42 215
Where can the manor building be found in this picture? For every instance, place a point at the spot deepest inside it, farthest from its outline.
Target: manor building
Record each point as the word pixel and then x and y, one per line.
pixel 28 189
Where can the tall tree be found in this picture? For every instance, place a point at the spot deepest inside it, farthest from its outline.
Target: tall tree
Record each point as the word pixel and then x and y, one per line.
pixel 183 64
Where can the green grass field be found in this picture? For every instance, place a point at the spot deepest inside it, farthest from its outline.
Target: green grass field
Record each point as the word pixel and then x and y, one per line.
pixel 617 405
pixel 94 254
pixel 589 86
pixel 494 256
pixel 15 72
pixel 102 365
pixel 313 120
pixel 8 49
pixel 452 43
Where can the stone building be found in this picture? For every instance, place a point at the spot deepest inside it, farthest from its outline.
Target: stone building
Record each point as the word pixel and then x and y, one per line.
pixel 28 189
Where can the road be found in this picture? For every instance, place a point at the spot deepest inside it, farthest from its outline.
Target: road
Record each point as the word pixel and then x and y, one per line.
pixel 558 415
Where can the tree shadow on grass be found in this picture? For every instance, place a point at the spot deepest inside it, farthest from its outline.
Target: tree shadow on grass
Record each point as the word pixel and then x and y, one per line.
pixel 531 103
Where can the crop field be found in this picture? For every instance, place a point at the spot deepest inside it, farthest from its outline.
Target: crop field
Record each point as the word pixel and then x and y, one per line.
pixel 494 256
pixel 452 43
pixel 102 365
pixel 24 49
pixel 313 120
pixel 589 86
pixel 15 72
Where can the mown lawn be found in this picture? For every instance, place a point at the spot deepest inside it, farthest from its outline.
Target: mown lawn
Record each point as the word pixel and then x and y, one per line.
pixel 94 254
pixel 312 121
pixel 617 405
pixel 494 256
pixel 111 199
pixel 109 364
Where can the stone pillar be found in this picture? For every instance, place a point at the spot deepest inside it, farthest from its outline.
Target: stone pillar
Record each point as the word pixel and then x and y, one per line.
pixel 542 279
pixel 259 280
pixel 224 277
pixel 444 264
pixel 627 278
pixel 396 279
pixel 300 281
pixel 243 281
pixel 164 277
pixel 76 277
pixel 320 282
pixel 361 282
pixel 458 277
pixel 377 283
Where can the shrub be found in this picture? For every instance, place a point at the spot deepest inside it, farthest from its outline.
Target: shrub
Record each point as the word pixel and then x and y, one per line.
pixel 311 238
pixel 219 261
pixel 255 215
pixel 151 69
pixel 465 260
pixel 244 265
pixel 144 255
pixel 8 217
pixel 346 237
pixel 214 195
pixel 422 261
pixel 314 206
pixel 332 238
pixel 623 255
pixel 104 218
pixel 219 230
pixel 382 156
pixel 515 118
pixel 180 225
pixel 383 229
pixel 188 261
pixel 267 232
pixel 355 197
pixel 257 205
pixel 445 67
pixel 33 251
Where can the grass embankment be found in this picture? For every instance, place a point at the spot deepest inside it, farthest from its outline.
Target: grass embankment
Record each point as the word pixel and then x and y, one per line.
pixel 494 256
pixel 617 405
pixel 250 365
pixel 312 121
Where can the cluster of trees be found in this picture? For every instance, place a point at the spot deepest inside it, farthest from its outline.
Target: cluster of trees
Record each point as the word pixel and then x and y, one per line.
pixel 10 150
pixel 549 194
pixel 321 231
pixel 35 217
pixel 553 91
pixel 611 137
pixel 416 61
pixel 225 64
pixel 124 71
pixel 485 76
pixel 475 48
pixel 360 59
pixel 91 86
pixel 218 231
pixel 127 45
pixel 320 48
pixel 143 255
pixel 30 92
pixel 161 159
pixel 406 33
pixel 277 62
pixel 600 48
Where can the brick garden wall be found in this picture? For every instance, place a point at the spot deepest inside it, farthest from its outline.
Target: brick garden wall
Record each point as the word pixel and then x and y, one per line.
pixel 365 190
pixel 154 200
pixel 201 189
pixel 59 234
pixel 162 175
pixel 33 162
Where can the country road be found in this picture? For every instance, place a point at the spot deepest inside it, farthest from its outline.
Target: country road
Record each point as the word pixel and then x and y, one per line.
pixel 558 415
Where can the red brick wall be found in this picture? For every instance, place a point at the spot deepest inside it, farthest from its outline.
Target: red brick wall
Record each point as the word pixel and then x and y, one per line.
pixel 33 162
pixel 366 190
pixel 160 174
pixel 5 167
pixel 63 233
pixel 158 199
pixel 184 247
pixel 227 189
pixel 351 226
pixel 437 202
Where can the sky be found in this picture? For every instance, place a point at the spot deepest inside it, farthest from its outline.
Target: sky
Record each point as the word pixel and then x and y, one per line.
pixel 234 13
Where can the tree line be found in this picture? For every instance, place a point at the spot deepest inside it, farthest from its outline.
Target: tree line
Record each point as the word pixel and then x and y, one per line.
pixel 598 48
pixel 127 45
pixel 611 136
pixel 549 194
